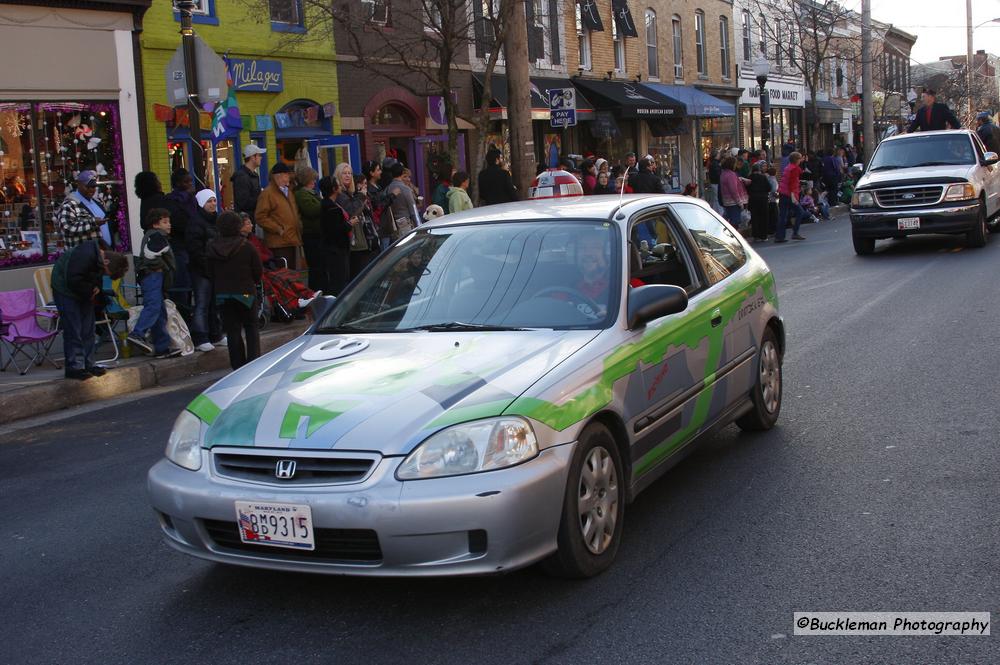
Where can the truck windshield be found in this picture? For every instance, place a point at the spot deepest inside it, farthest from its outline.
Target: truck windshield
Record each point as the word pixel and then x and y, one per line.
pixel 916 150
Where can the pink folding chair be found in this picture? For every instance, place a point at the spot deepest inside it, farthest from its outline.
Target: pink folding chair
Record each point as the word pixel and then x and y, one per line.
pixel 24 337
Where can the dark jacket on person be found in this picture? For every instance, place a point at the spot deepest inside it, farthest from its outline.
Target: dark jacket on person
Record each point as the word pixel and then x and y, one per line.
pixel 990 135
pixel 334 227
pixel 935 117
pixel 714 171
pixel 309 205
pixel 495 186
pixel 155 255
pixel 79 271
pixel 759 188
pixel 246 189
pixel 161 200
pixel 201 231
pixel 234 267
pixel 645 182
pixel 185 208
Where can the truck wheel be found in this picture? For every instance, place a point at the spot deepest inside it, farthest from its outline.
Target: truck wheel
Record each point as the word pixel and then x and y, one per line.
pixel 863 246
pixel 766 392
pixel 978 236
pixel 593 508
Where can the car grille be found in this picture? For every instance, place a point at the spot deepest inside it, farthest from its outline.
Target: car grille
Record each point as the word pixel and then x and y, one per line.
pixel 333 545
pixel 904 197
pixel 310 469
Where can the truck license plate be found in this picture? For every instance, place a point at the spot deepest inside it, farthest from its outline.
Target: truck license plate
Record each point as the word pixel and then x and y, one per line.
pixel 276 524
pixel 907 223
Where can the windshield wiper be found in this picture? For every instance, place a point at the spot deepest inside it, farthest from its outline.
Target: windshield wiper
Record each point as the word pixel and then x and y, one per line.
pixel 886 167
pixel 459 326
pixel 939 164
pixel 348 330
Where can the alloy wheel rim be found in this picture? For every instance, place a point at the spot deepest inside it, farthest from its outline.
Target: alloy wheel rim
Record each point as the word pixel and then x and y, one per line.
pixel 598 500
pixel 770 376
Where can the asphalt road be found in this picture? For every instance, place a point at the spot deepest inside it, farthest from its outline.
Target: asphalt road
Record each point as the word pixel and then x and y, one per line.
pixel 877 491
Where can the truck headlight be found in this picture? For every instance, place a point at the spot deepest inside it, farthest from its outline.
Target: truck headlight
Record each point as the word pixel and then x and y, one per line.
pixel 862 200
pixel 483 445
pixel 184 444
pixel 960 192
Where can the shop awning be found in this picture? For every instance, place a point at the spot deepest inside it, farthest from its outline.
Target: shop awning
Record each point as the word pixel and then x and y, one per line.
pixel 696 102
pixel 828 112
pixel 540 87
pixel 629 99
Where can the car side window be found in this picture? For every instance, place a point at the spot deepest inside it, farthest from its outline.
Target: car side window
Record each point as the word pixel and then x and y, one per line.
pixel 720 252
pixel 656 256
pixel 980 148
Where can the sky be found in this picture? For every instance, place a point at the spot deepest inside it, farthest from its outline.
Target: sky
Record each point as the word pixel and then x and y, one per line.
pixel 939 24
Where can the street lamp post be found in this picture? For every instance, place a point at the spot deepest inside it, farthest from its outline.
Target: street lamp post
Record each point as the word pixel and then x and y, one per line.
pixel 186 10
pixel 761 68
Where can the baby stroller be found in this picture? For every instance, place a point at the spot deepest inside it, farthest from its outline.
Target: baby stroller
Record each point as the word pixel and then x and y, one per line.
pixel 281 292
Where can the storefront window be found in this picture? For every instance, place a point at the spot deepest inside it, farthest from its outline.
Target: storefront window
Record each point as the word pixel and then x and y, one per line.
pixel 716 133
pixel 42 148
pixel 667 154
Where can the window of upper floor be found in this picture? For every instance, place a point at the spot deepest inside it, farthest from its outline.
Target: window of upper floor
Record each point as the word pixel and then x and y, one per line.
pixel 203 12
pixel 286 15
pixel 583 39
pixel 699 42
pixel 619 46
pixel 676 34
pixel 724 45
pixel 747 36
pixel 652 46
pixel 378 11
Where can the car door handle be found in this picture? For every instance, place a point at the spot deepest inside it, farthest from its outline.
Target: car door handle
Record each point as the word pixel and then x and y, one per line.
pixel 716 318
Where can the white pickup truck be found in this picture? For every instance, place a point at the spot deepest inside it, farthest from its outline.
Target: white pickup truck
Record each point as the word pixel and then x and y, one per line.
pixel 928 182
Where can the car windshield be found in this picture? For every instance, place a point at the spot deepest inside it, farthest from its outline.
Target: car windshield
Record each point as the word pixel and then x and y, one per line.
pixel 500 276
pixel 916 150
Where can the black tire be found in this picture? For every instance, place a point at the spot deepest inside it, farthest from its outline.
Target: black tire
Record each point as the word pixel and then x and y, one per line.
pixel 978 236
pixel 863 246
pixel 767 389
pixel 575 558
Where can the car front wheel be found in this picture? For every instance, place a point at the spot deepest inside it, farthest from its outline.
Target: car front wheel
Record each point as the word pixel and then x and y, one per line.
pixel 593 508
pixel 863 246
pixel 978 236
pixel 766 392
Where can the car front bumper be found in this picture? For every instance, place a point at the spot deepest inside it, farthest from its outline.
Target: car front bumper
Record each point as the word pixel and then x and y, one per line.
pixel 883 223
pixel 465 525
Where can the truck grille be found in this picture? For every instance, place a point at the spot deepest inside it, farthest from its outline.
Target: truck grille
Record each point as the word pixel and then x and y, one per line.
pixel 261 466
pixel 904 197
pixel 333 545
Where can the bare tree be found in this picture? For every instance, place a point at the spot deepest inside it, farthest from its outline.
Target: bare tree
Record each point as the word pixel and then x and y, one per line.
pixel 801 35
pixel 415 44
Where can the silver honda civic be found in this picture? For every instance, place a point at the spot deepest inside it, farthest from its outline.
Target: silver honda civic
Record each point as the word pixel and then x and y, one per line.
pixel 492 392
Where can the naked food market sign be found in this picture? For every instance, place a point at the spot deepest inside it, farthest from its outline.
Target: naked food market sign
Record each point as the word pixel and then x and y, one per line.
pixel 781 93
pixel 252 75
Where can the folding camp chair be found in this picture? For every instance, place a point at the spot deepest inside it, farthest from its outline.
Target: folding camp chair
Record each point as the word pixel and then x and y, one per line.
pixel 43 286
pixel 24 336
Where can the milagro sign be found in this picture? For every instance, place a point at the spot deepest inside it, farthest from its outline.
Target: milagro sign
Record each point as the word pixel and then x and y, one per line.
pixel 782 93
pixel 252 75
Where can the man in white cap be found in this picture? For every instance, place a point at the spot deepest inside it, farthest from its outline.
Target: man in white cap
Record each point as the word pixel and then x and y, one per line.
pixel 246 180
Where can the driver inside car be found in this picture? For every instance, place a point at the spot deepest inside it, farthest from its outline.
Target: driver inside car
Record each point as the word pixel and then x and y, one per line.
pixel 595 276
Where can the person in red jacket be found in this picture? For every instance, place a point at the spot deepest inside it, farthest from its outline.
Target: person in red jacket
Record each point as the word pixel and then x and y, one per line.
pixel 788 199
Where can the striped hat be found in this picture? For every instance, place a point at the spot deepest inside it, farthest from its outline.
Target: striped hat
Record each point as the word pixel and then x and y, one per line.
pixel 554 184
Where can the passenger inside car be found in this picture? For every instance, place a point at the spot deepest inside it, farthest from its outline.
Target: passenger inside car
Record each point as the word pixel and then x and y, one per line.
pixel 654 256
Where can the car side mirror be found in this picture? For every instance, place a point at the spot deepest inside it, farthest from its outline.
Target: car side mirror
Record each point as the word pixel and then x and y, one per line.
pixel 858 167
pixel 647 303
pixel 990 158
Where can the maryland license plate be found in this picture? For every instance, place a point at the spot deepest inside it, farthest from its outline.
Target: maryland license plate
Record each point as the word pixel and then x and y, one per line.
pixel 276 524
pixel 907 223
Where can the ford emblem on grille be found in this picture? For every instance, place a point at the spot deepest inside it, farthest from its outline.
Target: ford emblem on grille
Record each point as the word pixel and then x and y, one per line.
pixel 909 196
pixel 284 469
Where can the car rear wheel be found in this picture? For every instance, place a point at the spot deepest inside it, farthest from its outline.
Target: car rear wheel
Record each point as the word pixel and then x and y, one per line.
pixel 863 246
pixel 766 393
pixel 593 508
pixel 978 236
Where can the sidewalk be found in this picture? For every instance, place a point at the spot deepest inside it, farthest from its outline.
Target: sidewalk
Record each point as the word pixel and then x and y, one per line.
pixel 44 390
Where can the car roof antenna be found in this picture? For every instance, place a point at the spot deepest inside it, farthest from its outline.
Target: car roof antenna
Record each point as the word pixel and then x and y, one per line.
pixel 624 182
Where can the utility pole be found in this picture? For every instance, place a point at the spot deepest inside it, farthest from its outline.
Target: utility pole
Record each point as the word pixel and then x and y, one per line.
pixel 867 108
pixel 185 8
pixel 522 144
pixel 968 56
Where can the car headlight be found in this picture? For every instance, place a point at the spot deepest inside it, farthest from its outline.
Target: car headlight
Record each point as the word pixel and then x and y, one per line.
pixel 862 200
pixel 184 444
pixel 960 192
pixel 483 445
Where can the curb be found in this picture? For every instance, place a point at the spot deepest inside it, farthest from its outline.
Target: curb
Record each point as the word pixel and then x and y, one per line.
pixel 42 398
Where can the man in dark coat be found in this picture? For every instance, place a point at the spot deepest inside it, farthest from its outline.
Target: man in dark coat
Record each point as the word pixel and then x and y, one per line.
pixel 933 116
pixel 988 132
pixel 495 184
pixel 644 181
pixel 246 180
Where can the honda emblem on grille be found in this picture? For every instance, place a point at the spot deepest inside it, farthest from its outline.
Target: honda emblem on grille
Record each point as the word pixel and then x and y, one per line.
pixel 284 469
pixel 909 196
